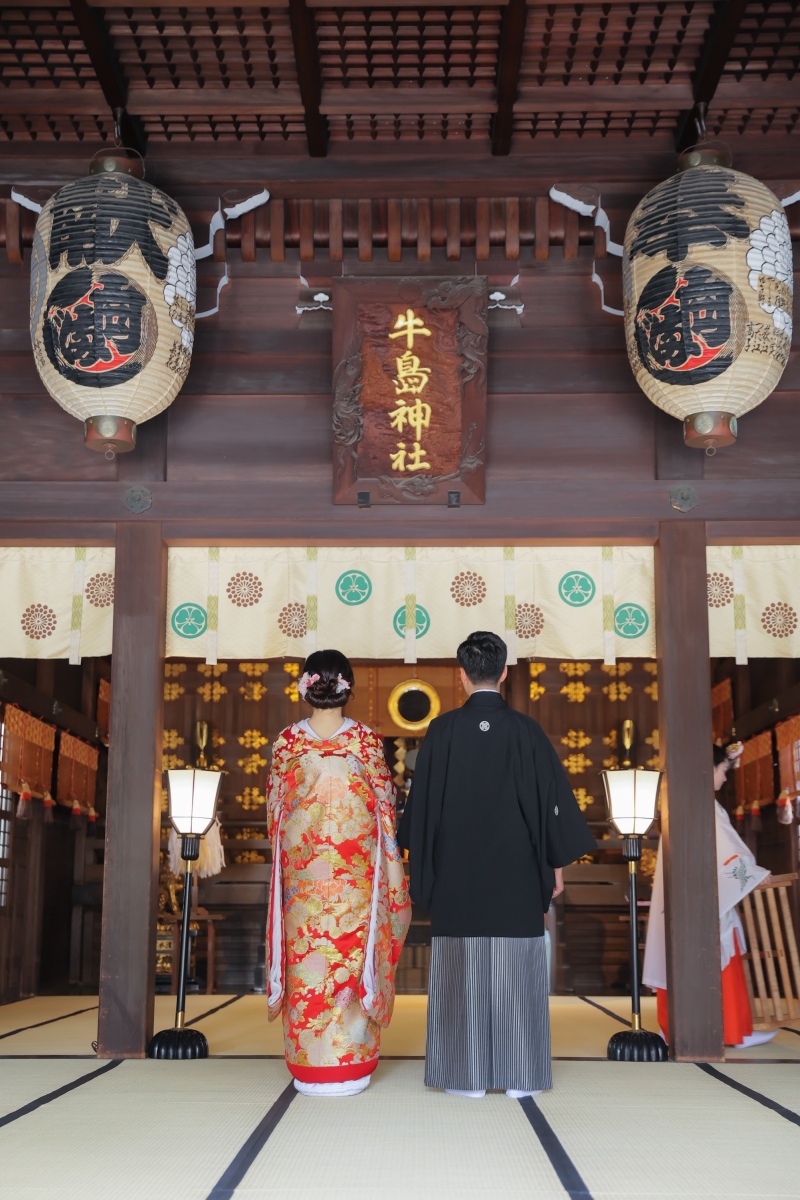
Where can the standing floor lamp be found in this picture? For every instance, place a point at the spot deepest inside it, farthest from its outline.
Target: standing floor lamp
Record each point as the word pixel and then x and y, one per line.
pixel 193 798
pixel 632 796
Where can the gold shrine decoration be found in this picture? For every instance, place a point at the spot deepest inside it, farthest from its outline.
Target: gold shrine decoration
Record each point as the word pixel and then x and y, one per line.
pixel 28 745
pixel 77 773
pixel 409 390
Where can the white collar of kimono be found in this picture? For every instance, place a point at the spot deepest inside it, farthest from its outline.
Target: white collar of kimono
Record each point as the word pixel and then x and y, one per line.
pixel 475 691
pixel 305 725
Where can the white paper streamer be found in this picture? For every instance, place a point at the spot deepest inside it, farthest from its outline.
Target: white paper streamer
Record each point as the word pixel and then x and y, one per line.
pixel 25 201
pixel 224 281
pixel 410 648
pixel 78 577
pixel 601 221
pixel 222 215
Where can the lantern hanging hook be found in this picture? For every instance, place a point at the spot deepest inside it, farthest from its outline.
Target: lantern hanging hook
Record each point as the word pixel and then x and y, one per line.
pixel 118 114
pixel 700 110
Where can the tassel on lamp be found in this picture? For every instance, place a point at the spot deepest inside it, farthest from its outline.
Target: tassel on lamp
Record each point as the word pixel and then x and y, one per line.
pixel 25 803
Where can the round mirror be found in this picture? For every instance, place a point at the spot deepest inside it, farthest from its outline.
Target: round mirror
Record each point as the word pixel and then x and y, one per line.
pixel 413 704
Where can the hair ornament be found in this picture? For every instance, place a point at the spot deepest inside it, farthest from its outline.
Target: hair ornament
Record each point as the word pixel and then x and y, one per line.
pixel 342 685
pixel 304 683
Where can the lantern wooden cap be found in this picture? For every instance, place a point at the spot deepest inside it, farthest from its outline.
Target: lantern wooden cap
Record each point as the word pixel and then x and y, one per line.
pixel 710 430
pixel 110 435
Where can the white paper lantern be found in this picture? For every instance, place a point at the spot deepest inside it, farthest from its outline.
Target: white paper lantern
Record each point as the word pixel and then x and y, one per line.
pixel 708 295
pixel 112 301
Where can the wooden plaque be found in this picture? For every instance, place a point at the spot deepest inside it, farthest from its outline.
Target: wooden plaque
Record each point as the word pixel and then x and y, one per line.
pixel 409 390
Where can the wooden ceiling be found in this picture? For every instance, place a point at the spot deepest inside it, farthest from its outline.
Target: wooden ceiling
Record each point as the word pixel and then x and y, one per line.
pixel 307 75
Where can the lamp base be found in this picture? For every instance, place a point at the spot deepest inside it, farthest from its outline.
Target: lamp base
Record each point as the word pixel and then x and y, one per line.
pixel 637 1045
pixel 178 1043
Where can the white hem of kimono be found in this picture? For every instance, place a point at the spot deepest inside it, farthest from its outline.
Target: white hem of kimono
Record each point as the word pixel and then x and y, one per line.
pixel 349 1087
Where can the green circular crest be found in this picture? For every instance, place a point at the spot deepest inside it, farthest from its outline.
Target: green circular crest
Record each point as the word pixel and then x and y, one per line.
pixel 423 621
pixel 577 589
pixel 631 620
pixel 354 587
pixel 189 620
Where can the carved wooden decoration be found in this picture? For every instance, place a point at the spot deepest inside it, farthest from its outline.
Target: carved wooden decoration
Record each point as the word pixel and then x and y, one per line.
pixel 409 390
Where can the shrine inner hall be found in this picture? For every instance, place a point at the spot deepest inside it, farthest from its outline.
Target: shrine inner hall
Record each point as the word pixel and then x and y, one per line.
pixel 350 336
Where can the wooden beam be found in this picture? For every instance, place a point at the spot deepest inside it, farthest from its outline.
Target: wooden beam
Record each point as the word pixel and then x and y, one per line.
pixel 687 804
pixel 108 71
pixel 309 76
pixel 133 815
pixel 722 30
pixel 509 62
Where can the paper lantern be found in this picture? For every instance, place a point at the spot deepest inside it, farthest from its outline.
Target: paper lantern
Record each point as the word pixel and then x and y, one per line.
pixel 112 301
pixel 708 295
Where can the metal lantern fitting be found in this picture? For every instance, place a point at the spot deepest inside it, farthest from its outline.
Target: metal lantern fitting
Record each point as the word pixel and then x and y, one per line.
pixel 707 273
pixel 193 796
pixel 632 798
pixel 112 300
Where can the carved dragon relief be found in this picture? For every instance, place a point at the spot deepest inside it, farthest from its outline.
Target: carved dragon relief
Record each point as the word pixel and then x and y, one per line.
pixel 348 411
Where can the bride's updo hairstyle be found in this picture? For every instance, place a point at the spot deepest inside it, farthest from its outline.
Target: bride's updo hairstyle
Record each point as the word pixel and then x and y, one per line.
pixel 327 679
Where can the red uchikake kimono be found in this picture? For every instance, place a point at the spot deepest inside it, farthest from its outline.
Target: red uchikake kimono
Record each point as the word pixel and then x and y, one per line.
pixel 339 909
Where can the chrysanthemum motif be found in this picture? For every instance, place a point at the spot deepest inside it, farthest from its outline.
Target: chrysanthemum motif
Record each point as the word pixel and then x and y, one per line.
pixel 245 589
pixel 468 589
pixel 720 589
pixel 292 620
pixel 180 290
pixel 770 258
pixel 100 589
pixel 779 619
pixel 38 621
pixel 530 620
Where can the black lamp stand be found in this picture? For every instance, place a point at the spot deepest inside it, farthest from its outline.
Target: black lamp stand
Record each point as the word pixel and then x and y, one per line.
pixel 181 1042
pixel 635 1044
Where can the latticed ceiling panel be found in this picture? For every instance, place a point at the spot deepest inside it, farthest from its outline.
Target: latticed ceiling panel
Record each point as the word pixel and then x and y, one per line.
pixel 409 128
pixel 192 46
pixel 396 47
pixel 57 128
pixel 224 128
pixel 730 121
pixel 613 42
pixel 642 123
pixel 768 41
pixel 40 46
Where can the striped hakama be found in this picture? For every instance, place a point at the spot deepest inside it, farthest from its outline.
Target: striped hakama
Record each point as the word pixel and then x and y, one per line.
pixel 488 1019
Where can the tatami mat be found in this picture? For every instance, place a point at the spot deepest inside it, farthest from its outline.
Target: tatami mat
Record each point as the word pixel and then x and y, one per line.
pixel 401 1140
pixel 579 1029
pixel 144 1129
pixel 778 1081
pixel 641 1130
pixel 24 1081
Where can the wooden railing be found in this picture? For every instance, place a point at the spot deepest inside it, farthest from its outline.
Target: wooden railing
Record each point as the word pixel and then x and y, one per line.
pixel 772 952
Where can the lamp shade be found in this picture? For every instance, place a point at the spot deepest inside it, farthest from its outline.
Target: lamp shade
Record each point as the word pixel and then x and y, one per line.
pixel 632 797
pixel 707 276
pixel 193 798
pixel 112 301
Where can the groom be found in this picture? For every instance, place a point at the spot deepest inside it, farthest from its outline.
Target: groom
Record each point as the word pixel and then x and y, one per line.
pixel 490 822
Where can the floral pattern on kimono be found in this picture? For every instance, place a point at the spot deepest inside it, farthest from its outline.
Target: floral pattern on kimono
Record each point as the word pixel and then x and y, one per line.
pixel 339 908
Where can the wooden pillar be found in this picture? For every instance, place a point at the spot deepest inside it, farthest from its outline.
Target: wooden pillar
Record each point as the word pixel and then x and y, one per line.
pixel 518 687
pixel 688 833
pixel 130 883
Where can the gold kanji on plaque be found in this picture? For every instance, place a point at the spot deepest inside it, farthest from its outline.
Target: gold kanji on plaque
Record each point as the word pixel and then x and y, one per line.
pixel 411 379
pixel 409 326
